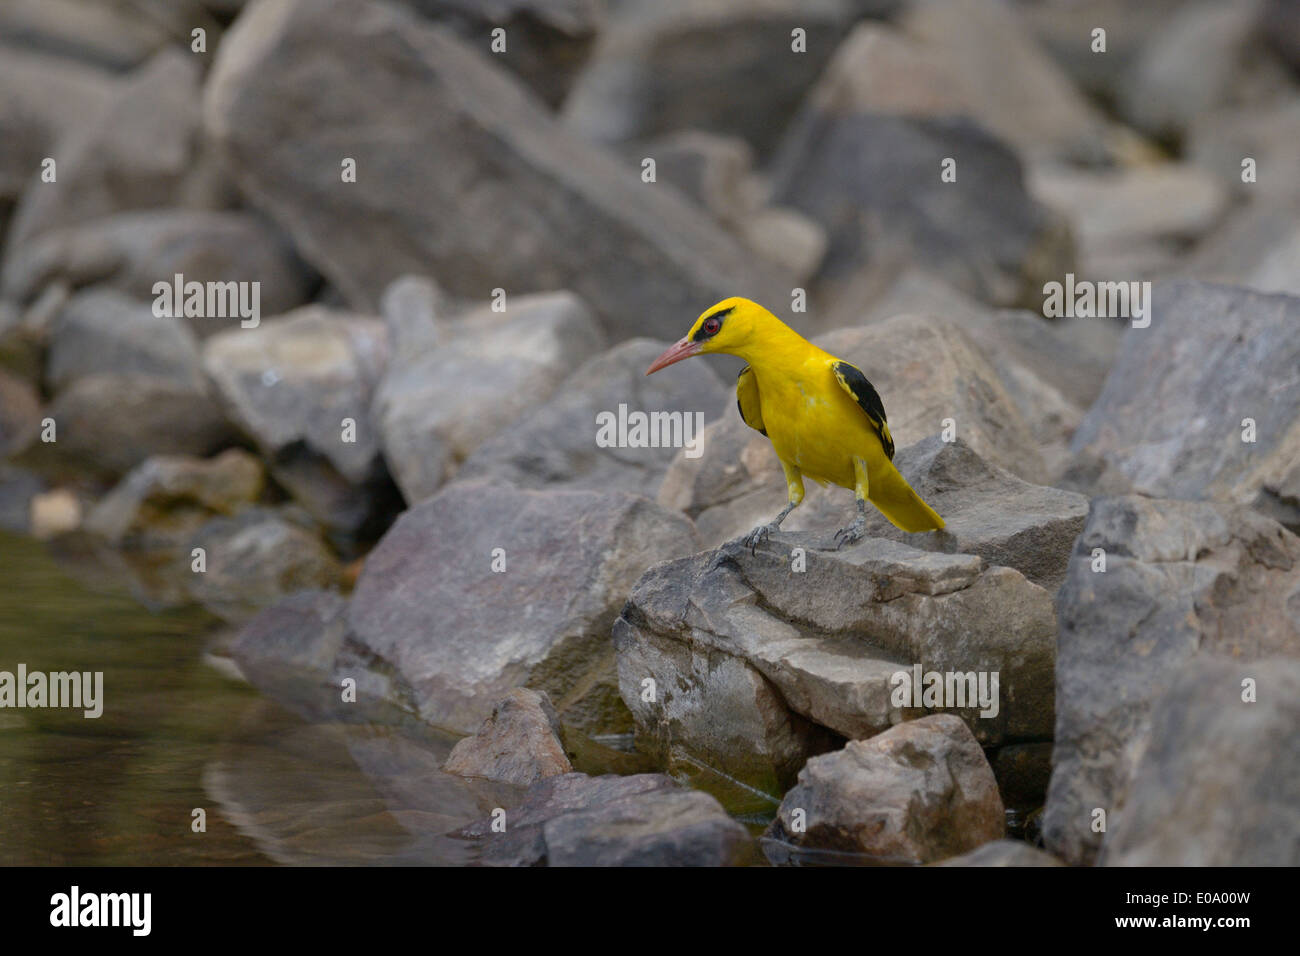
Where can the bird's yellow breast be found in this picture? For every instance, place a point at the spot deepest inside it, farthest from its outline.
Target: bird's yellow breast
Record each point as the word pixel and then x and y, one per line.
pixel 814 424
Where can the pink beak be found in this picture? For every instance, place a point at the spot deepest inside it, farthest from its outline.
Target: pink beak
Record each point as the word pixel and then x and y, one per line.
pixel 683 349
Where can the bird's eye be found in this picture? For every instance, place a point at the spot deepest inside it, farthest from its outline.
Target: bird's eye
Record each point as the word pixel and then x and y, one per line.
pixel 711 326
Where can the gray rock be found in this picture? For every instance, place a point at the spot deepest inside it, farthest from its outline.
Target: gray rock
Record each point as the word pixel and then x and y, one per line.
pixel 107 424
pixel 293 384
pixel 919 792
pixel 133 251
pixel 482 158
pixel 113 35
pixel 639 820
pixel 163 501
pixel 554 446
pixel 866 166
pixel 1212 357
pixel 715 171
pixel 1183 581
pixel 1218 141
pixel 743 661
pixel 519 742
pixel 430 606
pixel 1215 780
pixel 724 65
pixel 1003 853
pixel 142 151
pixel 102 331
pixel 256 558
pixel 435 407
pixel 1257 247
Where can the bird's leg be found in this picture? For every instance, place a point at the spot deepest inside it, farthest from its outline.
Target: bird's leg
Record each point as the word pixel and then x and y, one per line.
pixel 861 487
pixel 794 488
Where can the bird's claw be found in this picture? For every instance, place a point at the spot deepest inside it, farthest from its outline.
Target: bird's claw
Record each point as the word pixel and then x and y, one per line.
pixel 852 533
pixel 757 537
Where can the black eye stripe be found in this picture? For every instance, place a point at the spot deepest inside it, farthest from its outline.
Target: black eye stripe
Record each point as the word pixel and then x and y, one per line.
pixel 700 334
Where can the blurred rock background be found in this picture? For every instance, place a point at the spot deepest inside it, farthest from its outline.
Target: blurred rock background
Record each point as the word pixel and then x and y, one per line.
pixel 473 223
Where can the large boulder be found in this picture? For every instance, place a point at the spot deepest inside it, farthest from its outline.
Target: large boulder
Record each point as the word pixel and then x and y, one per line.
pixel 638 820
pixel 866 159
pixel 458 172
pixel 919 792
pixel 1181 581
pixel 1216 779
pixel 555 445
pixel 749 663
pixel 472 377
pixel 484 588
pixel 1212 358
pixel 300 386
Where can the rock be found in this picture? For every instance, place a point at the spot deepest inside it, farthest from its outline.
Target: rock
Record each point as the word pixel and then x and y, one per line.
pixel 519 742
pixel 1009 83
pixel 1183 581
pixel 715 171
pixel 786 237
pixel 555 446
pixel 1280 28
pixel 301 387
pixel 1003 853
pixel 135 251
pixel 1258 247
pixel 142 151
pixel 752 660
pixel 434 408
pixel 1219 141
pixel 569 558
pixel 927 370
pixel 1120 215
pixel 1195 62
pixel 864 160
pixel 107 424
pixel 920 792
pixel 1215 780
pixel 112 35
pixel 54 512
pixel 639 820
pixel 20 415
pixel 256 558
pixel 103 331
pixel 412 308
pixel 548 42
pixel 726 66
pixel 482 157
pixel 163 501
pixel 1213 356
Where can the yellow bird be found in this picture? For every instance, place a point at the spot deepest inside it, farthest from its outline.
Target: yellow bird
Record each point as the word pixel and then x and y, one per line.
pixel 822 416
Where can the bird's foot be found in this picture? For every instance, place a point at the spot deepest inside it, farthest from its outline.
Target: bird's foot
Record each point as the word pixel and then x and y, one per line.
pixel 758 536
pixel 853 532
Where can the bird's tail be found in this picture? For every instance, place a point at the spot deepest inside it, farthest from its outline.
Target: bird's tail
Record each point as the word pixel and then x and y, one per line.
pixel 890 492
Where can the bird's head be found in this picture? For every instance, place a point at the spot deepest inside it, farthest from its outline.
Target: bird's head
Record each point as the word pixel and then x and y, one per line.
pixel 727 327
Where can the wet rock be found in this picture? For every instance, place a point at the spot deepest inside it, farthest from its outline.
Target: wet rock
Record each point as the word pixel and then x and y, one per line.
pixel 556 446
pixel 431 606
pixel 519 742
pixel 163 501
pixel 134 251
pixel 101 330
pixel 106 424
pixel 483 157
pixel 142 151
pixel 256 558
pixel 1215 781
pixel 639 820
pixel 1183 581
pixel 301 387
pixel 726 66
pixel 20 415
pixel 865 163
pixel 435 407
pixel 1212 357
pixel 1003 853
pixel 744 662
pixel 920 792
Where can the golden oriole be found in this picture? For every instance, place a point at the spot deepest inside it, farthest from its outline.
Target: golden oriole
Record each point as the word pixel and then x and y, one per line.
pixel 823 418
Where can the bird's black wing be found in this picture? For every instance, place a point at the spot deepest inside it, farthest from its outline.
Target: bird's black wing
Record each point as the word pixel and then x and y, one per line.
pixel 864 393
pixel 751 408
